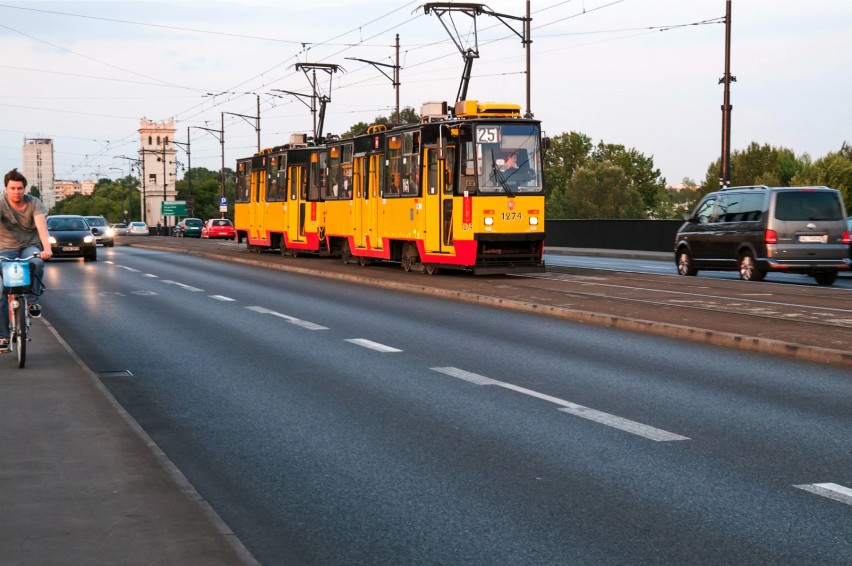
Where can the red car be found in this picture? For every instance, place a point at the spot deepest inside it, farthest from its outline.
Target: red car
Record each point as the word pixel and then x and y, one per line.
pixel 219 228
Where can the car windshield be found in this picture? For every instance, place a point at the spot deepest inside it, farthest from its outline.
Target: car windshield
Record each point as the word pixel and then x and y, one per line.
pixel 508 158
pixel 96 221
pixel 66 224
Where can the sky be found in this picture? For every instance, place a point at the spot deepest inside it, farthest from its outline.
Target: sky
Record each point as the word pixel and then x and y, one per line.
pixel 641 73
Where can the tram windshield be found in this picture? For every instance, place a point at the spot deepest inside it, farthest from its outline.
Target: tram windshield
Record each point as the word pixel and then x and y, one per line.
pixel 508 159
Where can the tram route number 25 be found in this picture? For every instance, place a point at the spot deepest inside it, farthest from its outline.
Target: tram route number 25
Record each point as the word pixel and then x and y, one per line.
pixel 487 135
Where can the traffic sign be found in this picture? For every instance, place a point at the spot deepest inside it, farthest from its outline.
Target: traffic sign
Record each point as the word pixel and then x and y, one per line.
pixel 173 208
pixel 223 204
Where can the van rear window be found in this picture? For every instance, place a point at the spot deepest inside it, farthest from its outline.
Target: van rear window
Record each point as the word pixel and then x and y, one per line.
pixel 808 205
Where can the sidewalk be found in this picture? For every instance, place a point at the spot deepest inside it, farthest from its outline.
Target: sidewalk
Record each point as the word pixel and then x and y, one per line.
pixel 81 483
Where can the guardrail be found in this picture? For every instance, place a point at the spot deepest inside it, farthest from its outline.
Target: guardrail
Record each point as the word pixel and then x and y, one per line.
pixel 639 235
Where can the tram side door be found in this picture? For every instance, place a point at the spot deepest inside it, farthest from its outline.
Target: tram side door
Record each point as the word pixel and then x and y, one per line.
pixel 258 204
pixel 438 203
pixel 297 188
pixel 359 187
pixel 254 190
pixel 367 232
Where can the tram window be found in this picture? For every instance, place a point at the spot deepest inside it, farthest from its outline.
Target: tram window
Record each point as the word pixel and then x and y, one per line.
pixel 411 163
pixel 469 159
pixel 318 176
pixel 242 184
pixel 394 166
pixel 276 189
pixel 449 166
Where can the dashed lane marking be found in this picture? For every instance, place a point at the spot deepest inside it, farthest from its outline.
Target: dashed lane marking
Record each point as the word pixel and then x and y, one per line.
pixel 182 285
pixel 830 490
pixel 372 345
pixel 607 419
pixel 221 298
pixel 288 318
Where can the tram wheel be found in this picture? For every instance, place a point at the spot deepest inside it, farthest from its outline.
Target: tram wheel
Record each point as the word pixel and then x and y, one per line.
pixel 409 256
pixel 430 270
pixel 345 252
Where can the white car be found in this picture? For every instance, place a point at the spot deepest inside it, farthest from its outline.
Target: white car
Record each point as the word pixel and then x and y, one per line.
pixel 137 229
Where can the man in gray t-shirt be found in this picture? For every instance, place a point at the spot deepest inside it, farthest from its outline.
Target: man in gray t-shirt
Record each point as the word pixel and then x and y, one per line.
pixel 23 232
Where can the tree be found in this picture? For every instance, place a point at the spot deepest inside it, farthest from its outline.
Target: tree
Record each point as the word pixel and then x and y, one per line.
pixel 206 190
pixel 834 170
pixel 599 190
pixel 568 152
pixel 407 115
pixel 644 178
pixel 756 165
pixel 572 152
pixel 109 199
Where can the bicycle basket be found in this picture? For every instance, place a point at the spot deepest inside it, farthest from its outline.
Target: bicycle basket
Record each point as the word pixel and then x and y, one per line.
pixel 16 275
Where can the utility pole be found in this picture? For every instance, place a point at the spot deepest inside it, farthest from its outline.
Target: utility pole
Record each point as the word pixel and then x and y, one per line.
pixel 725 173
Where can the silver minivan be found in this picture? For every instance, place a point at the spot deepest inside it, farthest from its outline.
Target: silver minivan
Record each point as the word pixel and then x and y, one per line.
pixel 758 229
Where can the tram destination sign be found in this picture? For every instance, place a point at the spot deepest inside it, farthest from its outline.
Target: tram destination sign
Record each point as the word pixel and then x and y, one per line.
pixel 173 208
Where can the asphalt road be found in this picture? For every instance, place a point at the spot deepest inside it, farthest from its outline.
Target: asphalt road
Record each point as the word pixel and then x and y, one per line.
pixel 333 423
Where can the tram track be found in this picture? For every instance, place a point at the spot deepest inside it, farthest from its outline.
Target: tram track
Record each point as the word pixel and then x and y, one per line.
pixel 841 317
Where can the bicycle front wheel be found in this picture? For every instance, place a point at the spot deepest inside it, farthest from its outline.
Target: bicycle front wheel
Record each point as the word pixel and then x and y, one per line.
pixel 20 337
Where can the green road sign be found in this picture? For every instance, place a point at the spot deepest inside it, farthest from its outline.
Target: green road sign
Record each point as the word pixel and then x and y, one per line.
pixel 173 208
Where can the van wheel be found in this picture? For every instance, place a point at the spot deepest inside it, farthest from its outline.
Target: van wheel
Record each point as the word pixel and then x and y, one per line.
pixel 748 269
pixel 684 264
pixel 825 277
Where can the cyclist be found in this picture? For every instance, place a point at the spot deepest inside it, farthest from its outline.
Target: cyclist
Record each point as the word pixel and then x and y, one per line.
pixel 23 230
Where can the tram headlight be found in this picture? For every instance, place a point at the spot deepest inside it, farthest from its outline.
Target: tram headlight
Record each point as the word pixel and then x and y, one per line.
pixel 489 221
pixel 533 220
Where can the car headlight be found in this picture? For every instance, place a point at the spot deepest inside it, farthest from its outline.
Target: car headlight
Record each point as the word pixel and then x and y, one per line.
pixel 109 232
pixel 88 239
pixel 52 240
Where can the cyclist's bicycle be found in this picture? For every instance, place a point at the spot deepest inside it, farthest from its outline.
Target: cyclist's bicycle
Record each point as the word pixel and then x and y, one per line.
pixel 18 279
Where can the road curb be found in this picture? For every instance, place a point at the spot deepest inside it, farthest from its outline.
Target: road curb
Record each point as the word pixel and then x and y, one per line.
pixel 714 337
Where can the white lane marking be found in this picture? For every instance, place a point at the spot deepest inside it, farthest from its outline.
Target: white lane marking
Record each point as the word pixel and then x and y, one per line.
pixel 128 268
pixel 181 285
pixel 288 318
pixel 626 425
pixel 221 298
pixel 371 345
pixel 829 490
pixel 151 275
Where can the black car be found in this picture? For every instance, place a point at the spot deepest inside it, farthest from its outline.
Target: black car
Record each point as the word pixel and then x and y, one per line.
pixel 71 236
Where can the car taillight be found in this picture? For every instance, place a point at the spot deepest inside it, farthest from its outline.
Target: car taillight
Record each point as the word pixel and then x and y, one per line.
pixel 847 237
pixel 770 237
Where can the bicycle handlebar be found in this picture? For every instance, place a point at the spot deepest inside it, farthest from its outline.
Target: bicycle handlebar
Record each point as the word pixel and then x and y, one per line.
pixel 35 255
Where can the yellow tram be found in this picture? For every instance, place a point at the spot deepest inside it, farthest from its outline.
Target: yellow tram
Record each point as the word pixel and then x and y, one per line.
pixel 457 192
